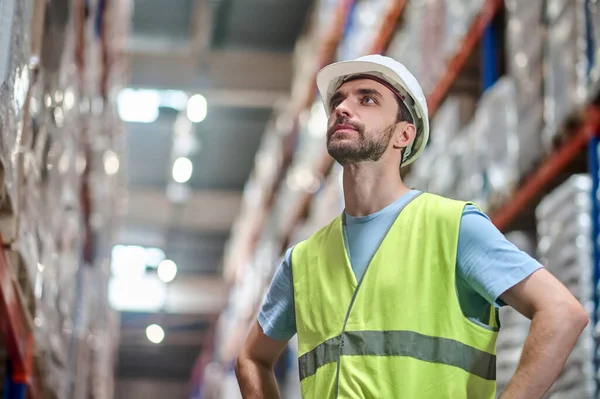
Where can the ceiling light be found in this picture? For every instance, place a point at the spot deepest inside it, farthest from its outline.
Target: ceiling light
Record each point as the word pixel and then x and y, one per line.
pixel 111 163
pixel 155 333
pixel 197 108
pixel 182 170
pixel 138 105
pixel 128 261
pixel 167 270
pixel 69 100
pixel 137 294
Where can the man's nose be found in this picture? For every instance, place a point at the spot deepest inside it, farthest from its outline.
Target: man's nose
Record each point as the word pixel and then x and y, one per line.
pixel 343 110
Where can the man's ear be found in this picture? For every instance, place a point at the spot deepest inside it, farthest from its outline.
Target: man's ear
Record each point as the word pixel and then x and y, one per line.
pixel 404 135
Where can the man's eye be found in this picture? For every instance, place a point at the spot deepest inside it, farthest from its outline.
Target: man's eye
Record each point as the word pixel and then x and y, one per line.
pixel 368 100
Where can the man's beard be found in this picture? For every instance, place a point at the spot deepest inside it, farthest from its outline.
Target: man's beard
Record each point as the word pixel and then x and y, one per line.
pixel 368 147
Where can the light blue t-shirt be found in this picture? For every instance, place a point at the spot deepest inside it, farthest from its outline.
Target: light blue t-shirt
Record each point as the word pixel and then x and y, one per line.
pixel 487 265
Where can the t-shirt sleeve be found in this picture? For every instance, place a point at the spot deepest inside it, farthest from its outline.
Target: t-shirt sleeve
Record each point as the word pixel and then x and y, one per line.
pixel 486 260
pixel 277 315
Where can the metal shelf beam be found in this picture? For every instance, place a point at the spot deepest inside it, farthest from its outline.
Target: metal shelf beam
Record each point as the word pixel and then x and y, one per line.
pixel 550 168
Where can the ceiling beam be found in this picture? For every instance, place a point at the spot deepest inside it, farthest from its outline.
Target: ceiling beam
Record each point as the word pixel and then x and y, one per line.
pixel 137 338
pixel 244 98
pixel 205 210
pixel 226 70
pixel 199 295
pixel 189 50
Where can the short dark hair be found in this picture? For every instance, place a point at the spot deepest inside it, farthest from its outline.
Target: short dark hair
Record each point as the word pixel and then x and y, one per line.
pixel 403 114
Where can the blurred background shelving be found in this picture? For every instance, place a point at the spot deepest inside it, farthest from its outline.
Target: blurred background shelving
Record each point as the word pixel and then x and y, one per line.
pixel 157 161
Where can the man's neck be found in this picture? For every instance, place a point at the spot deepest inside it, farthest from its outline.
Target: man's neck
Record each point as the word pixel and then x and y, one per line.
pixel 369 187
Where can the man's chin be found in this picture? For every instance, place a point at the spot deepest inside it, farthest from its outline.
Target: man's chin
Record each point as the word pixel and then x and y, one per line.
pixel 342 155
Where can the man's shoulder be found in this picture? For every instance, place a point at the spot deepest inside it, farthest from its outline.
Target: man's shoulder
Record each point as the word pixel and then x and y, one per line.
pixel 440 206
pixel 322 230
pixel 314 238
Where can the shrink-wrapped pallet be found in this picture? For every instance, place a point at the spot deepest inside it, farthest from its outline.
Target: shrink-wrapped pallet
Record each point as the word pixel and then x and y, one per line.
pixel 525 66
pixel 565 249
pixel 565 65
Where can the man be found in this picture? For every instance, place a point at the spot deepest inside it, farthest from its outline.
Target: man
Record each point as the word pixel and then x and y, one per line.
pixel 397 297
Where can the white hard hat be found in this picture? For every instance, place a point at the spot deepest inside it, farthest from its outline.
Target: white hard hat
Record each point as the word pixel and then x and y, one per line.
pixel 391 71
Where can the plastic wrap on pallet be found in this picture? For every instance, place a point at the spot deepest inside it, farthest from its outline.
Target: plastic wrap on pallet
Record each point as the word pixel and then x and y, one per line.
pixel 472 183
pixel 436 162
pixel 450 118
pixel 565 65
pixel 435 28
pixel 305 58
pixel 525 56
pixel 51 342
pixel 576 188
pixel 432 34
pixel 15 75
pixel 303 175
pixel 593 8
pixel 459 15
pixel 497 120
pixel 565 249
pixel 409 35
pixel 525 65
pixel 364 23
pixel 421 176
pixel 446 172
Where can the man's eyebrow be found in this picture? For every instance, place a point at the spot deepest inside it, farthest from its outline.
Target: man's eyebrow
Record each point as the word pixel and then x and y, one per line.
pixel 369 92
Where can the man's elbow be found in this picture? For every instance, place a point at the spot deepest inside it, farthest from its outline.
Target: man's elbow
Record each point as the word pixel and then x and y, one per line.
pixel 574 317
pixel 581 318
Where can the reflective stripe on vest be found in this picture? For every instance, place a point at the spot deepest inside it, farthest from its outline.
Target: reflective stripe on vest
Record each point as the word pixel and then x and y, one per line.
pixel 400 343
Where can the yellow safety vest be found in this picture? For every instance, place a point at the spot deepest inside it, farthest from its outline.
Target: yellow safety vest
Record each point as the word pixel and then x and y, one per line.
pixel 400 331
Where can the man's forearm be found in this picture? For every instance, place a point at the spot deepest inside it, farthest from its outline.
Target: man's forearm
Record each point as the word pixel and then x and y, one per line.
pixel 551 339
pixel 256 380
